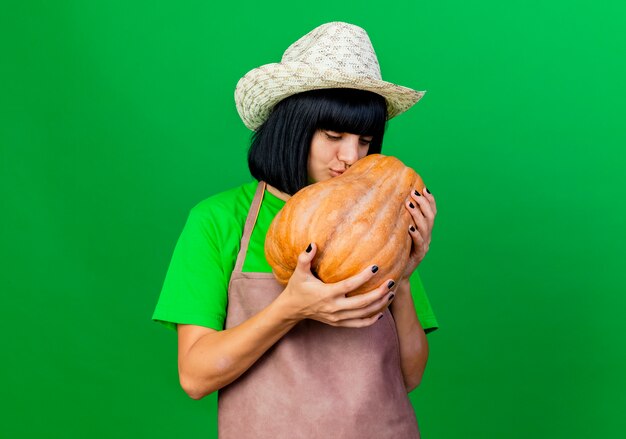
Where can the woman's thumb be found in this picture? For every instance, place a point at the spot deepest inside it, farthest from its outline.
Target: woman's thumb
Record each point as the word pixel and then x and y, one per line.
pixel 305 258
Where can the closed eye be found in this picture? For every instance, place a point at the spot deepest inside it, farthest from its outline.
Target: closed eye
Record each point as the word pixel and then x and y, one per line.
pixel 363 142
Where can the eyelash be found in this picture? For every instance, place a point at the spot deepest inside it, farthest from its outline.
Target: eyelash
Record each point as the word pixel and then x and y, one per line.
pixel 363 142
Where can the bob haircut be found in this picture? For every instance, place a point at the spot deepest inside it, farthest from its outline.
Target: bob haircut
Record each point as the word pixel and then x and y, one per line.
pixel 280 147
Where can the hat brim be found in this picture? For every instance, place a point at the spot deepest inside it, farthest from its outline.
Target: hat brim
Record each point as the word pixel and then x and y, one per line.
pixel 262 88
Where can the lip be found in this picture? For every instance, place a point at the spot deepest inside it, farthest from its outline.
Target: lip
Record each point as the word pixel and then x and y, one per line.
pixel 336 173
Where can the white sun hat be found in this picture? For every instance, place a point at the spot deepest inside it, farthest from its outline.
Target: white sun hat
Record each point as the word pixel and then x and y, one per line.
pixel 333 55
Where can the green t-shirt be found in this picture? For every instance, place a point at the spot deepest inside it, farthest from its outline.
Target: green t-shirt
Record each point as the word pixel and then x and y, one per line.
pixel 195 290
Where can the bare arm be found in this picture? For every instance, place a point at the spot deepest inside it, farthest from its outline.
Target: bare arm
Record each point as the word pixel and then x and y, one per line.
pixel 413 343
pixel 208 359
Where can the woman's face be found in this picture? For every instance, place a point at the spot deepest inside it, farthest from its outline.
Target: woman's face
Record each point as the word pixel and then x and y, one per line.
pixel 331 153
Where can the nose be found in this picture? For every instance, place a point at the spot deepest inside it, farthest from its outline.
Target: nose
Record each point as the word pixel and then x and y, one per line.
pixel 349 149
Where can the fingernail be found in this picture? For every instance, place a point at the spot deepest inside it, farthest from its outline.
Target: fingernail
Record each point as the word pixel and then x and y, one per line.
pixel 417 193
pixel 391 297
pixel 309 248
pixel 411 206
pixel 390 284
pixel 374 268
pixel 428 191
pixel 412 229
pixel 380 317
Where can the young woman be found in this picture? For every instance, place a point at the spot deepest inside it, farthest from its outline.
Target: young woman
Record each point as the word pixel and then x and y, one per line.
pixel 301 361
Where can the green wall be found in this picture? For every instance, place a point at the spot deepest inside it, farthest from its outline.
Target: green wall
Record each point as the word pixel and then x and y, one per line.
pixel 116 117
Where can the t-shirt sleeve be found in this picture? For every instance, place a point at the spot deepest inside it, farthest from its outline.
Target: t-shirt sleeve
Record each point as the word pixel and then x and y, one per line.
pixel 423 309
pixel 195 288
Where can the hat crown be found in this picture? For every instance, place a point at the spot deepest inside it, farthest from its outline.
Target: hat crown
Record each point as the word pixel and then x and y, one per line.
pixel 339 46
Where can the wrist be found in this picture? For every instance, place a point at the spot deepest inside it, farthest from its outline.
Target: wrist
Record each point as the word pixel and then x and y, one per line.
pixel 404 284
pixel 285 309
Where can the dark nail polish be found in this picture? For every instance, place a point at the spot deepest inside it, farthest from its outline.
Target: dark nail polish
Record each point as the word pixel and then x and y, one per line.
pixel 309 248
pixel 412 229
pixel 411 206
pixel 391 297
pixel 374 268
pixel 381 316
pixel 428 191
pixel 390 284
pixel 418 194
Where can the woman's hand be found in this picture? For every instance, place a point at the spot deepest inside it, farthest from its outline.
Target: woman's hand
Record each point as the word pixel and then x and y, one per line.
pixel 423 210
pixel 307 297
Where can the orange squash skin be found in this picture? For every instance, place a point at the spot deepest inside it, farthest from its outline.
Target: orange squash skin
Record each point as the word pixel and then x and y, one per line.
pixel 357 219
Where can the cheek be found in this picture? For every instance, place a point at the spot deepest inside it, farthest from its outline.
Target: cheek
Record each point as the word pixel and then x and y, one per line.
pixel 314 163
pixel 320 155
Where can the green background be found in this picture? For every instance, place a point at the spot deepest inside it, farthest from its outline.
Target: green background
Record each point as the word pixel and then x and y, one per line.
pixel 117 117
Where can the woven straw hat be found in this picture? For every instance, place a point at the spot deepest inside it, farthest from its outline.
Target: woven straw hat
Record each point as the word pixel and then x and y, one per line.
pixel 333 55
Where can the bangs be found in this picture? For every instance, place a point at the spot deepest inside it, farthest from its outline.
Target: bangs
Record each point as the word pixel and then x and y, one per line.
pixel 347 110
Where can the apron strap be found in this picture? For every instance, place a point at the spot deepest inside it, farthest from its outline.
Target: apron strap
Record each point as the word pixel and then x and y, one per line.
pixel 253 213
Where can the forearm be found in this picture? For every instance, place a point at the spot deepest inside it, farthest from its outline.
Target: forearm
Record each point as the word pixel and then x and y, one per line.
pixel 413 343
pixel 219 358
